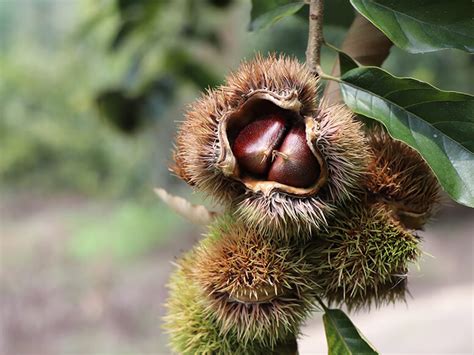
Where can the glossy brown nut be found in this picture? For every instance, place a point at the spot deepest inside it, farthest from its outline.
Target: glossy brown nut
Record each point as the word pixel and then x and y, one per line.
pixel 295 165
pixel 254 144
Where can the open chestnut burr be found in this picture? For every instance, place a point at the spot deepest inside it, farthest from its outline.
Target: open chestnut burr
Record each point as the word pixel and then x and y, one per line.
pixel 266 147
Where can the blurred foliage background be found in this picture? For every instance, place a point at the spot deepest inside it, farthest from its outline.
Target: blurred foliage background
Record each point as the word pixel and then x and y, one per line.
pixel 91 90
pixel 90 95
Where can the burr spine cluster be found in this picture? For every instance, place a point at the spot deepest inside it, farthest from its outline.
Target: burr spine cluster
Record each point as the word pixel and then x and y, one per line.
pixel 316 205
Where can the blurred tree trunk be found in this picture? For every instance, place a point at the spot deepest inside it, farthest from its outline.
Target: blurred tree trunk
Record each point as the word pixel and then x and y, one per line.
pixel 366 44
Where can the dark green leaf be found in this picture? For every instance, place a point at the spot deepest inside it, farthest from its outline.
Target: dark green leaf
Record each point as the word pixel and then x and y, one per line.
pixel 346 62
pixel 342 335
pixel 422 25
pixel 121 111
pixel 438 124
pixel 338 13
pixel 259 7
pixel 266 12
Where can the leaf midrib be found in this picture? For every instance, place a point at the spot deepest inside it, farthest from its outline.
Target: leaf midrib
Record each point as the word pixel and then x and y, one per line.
pixel 338 333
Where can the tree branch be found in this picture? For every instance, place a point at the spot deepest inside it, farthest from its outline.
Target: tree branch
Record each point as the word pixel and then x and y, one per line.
pixel 315 35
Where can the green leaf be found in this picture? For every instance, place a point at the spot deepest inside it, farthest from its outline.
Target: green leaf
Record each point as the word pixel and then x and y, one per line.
pixel 422 25
pixel 265 13
pixel 342 335
pixel 337 13
pixel 346 62
pixel 438 124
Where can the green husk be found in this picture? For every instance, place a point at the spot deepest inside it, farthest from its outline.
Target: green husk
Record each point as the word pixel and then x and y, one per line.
pixel 257 288
pixel 239 292
pixel 192 330
pixel 363 257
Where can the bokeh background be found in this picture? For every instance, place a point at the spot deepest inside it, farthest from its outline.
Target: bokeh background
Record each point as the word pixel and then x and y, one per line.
pixel 90 95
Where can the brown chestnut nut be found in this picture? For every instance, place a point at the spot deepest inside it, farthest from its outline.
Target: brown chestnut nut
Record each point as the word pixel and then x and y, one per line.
pixel 294 164
pixel 254 144
pixel 213 148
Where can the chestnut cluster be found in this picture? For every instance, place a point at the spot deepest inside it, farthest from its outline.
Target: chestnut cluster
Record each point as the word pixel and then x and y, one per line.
pixel 315 205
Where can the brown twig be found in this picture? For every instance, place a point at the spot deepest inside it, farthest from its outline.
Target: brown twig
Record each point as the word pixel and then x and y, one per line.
pixel 315 35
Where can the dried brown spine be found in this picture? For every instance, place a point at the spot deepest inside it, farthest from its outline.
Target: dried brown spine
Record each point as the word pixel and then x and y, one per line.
pixel 257 289
pixel 273 85
pixel 399 177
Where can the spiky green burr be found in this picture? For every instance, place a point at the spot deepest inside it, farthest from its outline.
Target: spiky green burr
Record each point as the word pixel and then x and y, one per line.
pixel 238 292
pixel 363 257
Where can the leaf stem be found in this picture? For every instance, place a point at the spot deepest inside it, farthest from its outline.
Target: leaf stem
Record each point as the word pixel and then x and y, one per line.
pixel 321 302
pixel 315 35
pixel 323 75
